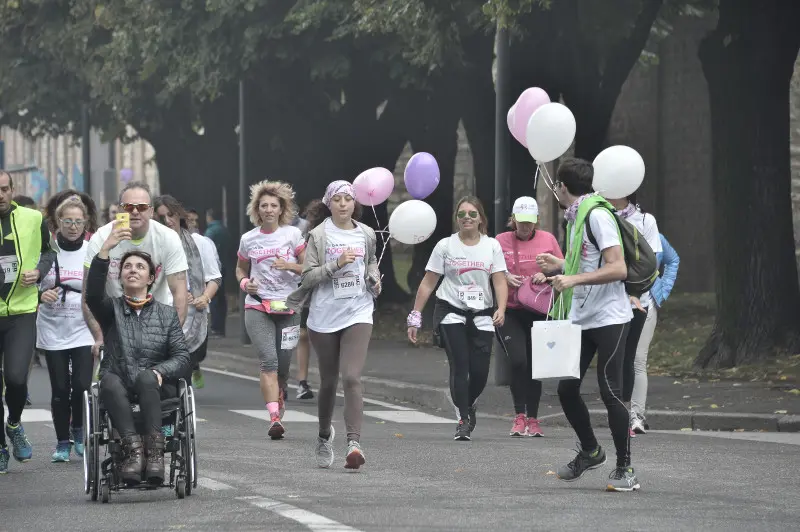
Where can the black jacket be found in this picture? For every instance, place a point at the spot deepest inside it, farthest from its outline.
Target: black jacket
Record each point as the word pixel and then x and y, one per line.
pixel 133 343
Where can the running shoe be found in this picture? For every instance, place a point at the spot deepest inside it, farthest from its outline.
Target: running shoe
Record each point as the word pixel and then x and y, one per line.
pixel 28 401
pixel 22 449
pixel 462 431
pixel 198 381
pixel 533 429
pixel 61 454
pixel 355 455
pixel 77 437
pixel 584 461
pixel 167 430
pixel 276 429
pixel 637 424
pixel 304 391
pixel 623 479
pixel 518 428
pixel 3 460
pixel 631 434
pixel 324 450
pixel 473 418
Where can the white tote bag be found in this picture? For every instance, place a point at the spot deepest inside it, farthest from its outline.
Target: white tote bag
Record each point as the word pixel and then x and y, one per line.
pixel 556 350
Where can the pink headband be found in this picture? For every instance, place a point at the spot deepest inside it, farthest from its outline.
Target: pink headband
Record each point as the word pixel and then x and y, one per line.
pixel 337 187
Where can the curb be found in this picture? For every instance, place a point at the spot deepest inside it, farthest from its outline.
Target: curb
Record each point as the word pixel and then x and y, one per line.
pixel 438 399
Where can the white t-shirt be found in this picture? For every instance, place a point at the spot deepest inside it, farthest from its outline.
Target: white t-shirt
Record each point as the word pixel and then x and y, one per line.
pixel 60 325
pixel 161 243
pixel 261 249
pixel 344 300
pixel 467 272
pixel 646 224
pixel 595 306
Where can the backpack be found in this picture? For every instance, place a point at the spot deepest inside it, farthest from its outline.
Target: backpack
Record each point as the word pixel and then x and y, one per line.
pixel 639 256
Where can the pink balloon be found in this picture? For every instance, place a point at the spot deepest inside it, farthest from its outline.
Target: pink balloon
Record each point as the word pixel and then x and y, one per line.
pixel 373 186
pixel 529 101
pixel 511 120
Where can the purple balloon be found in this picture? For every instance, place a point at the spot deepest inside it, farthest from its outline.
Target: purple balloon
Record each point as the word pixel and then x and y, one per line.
pixel 125 175
pixel 421 175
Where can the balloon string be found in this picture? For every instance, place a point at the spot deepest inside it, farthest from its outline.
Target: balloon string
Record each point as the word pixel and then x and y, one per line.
pixel 383 233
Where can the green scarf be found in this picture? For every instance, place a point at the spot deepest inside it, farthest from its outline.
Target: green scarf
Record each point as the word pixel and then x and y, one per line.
pixel 572 258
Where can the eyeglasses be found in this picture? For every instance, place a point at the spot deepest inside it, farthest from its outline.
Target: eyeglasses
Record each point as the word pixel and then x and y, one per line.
pixel 72 223
pixel 471 214
pixel 130 207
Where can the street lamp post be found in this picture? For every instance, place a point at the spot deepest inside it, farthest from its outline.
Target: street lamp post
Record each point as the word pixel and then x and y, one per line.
pixel 242 194
pixel 86 149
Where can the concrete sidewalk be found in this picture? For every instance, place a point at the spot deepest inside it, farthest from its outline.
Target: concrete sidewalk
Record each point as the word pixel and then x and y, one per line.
pixel 402 373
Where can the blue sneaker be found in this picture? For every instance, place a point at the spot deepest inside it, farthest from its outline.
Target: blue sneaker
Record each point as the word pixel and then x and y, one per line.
pixel 3 460
pixel 61 454
pixel 77 437
pixel 21 446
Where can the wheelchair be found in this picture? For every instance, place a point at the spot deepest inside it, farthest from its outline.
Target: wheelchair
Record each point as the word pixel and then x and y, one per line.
pixel 103 455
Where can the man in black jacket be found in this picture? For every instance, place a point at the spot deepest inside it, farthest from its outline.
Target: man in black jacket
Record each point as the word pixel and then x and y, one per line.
pixel 144 350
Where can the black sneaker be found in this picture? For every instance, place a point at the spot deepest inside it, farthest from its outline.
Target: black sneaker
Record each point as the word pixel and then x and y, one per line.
pixel 473 418
pixel 304 391
pixel 462 431
pixel 622 479
pixel 583 462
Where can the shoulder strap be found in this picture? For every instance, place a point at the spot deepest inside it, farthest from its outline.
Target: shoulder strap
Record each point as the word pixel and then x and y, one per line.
pixel 515 246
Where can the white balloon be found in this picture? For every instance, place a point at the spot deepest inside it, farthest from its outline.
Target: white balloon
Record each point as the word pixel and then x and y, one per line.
pixel 618 172
pixel 412 222
pixel 550 132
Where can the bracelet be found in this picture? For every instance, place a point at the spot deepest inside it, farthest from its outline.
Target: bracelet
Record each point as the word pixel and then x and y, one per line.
pixel 414 319
pixel 243 284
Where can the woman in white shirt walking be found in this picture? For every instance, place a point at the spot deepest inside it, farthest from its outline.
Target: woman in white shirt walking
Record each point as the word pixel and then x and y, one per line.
pixel 341 274
pixel 465 315
pixel 61 331
pixel 270 259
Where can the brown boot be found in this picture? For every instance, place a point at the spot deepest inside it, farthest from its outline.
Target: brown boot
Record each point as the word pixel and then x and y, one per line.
pixel 133 463
pixel 154 469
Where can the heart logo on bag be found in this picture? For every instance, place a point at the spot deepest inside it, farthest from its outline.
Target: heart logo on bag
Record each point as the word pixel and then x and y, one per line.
pixel 551 345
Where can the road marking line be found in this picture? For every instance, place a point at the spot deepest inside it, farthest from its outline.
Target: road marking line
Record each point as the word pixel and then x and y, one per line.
pixel 212 484
pixel 36 415
pixel 313 521
pixel 288 415
pixel 294 387
pixel 405 416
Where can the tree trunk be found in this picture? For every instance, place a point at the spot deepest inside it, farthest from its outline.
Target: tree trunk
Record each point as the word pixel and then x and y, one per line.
pixel 748 62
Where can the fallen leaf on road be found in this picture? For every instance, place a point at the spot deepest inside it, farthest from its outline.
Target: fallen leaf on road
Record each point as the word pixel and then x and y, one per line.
pixel 677 382
pixel 781 412
pixel 738 430
pixel 737 383
pixel 686 396
pixel 794 391
pixel 714 406
pixel 550 473
pixel 380 422
pixel 398 435
pixel 686 429
pixel 459 470
pixel 783 377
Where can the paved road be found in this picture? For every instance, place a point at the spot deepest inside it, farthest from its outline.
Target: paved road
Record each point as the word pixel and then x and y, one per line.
pixel 416 478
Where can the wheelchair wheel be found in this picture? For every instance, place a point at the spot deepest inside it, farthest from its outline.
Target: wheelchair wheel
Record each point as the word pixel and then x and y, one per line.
pixel 91 453
pixel 180 487
pixel 187 442
pixel 105 491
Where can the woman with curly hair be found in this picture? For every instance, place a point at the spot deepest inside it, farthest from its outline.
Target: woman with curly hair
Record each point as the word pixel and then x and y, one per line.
pixel 270 259
pixel 91 210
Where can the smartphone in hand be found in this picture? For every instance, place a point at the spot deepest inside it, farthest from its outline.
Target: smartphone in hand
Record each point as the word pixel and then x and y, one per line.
pixel 124 220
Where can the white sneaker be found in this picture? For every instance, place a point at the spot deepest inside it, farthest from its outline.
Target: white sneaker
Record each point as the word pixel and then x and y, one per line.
pixel 355 455
pixel 324 450
pixel 637 424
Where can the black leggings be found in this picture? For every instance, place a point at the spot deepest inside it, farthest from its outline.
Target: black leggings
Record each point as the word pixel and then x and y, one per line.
pixel 469 352
pixel 516 334
pixel 67 390
pixel 634 333
pixel 117 401
pixel 17 338
pixel 609 344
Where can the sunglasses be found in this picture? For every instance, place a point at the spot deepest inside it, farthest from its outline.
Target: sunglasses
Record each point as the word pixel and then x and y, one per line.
pixel 464 214
pixel 130 207
pixel 67 222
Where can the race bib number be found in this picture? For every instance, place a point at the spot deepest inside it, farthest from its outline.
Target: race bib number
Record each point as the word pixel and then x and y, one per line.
pixel 289 337
pixel 10 268
pixel 472 297
pixel 347 287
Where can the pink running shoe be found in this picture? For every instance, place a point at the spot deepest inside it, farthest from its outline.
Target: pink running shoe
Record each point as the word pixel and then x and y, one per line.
pixel 518 430
pixel 631 433
pixel 532 429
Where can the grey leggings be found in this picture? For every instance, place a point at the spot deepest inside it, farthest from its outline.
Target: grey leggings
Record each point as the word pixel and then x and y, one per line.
pixel 265 332
pixel 345 350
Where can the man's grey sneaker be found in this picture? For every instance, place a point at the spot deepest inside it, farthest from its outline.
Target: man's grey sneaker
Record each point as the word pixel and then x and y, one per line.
pixel 583 462
pixel 473 418
pixel 637 424
pixel 462 431
pixel 622 479
pixel 3 460
pixel 355 455
pixel 304 391
pixel 324 450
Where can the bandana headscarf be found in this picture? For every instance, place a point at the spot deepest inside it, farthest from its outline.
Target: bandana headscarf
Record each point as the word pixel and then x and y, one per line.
pixel 337 187
pixel 628 211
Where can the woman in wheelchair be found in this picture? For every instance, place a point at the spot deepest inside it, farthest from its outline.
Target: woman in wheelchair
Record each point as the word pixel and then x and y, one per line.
pixel 144 349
